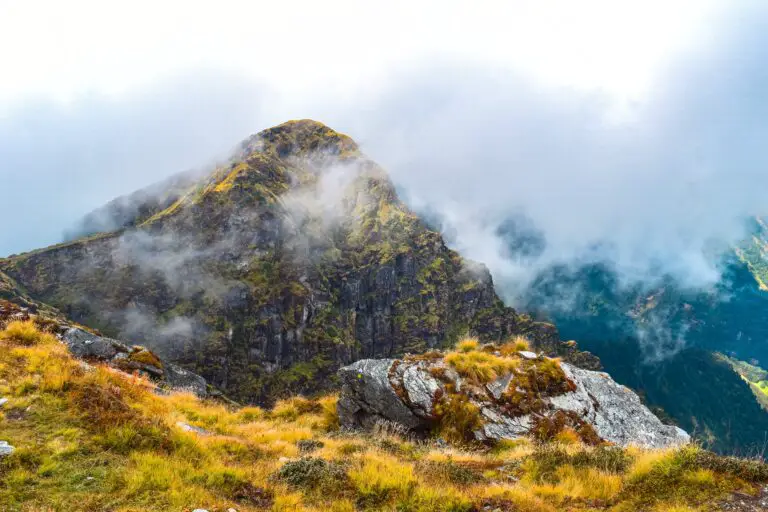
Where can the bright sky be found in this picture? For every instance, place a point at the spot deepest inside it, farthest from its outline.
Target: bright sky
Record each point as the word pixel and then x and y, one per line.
pixel 62 49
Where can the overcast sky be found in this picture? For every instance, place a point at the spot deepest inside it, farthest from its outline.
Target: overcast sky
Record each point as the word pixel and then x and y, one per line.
pixel 639 126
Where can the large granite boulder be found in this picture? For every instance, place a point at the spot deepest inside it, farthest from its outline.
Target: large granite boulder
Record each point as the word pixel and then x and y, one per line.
pixel 526 401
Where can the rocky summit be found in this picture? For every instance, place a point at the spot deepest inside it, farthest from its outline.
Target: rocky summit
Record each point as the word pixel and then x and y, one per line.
pixel 492 393
pixel 271 271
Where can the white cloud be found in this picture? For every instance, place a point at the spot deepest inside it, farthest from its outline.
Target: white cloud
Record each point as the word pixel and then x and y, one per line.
pixel 479 110
pixel 345 47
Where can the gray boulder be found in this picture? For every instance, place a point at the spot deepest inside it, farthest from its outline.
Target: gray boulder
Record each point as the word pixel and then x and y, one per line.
pixel 181 379
pixel 87 346
pixel 406 392
pixel 186 427
pixel 615 411
pixel 368 396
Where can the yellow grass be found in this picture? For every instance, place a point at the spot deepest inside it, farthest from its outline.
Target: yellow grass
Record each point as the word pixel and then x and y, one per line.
pixel 98 439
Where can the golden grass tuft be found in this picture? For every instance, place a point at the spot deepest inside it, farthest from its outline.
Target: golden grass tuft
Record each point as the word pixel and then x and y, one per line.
pixel 515 345
pixel 458 418
pixel 479 367
pixel 290 409
pixel 25 333
pixel 382 479
pixel 468 345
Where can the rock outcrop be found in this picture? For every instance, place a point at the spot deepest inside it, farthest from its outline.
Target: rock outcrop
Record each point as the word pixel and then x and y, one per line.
pixel 90 347
pixel 536 396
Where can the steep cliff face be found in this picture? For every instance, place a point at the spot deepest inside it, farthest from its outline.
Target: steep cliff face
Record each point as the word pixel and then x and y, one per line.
pixel 272 271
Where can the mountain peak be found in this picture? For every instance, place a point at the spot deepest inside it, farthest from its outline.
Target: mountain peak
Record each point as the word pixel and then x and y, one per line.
pixel 275 269
pixel 300 138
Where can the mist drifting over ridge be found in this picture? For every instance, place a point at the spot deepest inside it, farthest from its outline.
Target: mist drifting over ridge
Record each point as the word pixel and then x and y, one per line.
pixel 647 187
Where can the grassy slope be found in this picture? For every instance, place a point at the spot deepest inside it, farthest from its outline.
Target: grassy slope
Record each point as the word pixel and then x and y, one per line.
pixel 94 439
pixel 754 252
pixel 756 377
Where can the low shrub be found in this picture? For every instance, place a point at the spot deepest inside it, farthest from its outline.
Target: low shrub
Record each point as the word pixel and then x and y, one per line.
pixel 746 469
pixel 314 474
pixel 543 463
pixel 448 471
pixel 676 476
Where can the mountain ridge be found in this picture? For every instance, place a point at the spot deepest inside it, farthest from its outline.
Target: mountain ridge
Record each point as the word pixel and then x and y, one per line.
pixel 276 268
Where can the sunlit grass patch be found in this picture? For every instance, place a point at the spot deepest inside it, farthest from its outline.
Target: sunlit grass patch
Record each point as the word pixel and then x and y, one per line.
pixel 382 479
pixel 478 366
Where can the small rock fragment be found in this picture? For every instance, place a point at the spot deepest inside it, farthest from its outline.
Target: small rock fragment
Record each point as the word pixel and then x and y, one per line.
pixel 6 449
pixel 528 355
pixel 186 427
pixel 309 445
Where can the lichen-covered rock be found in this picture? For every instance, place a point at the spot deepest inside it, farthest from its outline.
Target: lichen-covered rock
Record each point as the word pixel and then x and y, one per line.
pixel 369 396
pixel 539 397
pixel 180 379
pixel 615 411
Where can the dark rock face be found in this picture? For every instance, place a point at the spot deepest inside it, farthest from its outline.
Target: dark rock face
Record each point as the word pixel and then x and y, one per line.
pixel 179 378
pixel 273 271
pixel 369 396
pixel 408 393
pixel 85 345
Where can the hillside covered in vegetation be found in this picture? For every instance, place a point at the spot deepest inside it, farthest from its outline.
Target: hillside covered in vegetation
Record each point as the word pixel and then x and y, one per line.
pixel 87 437
pixel 662 339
